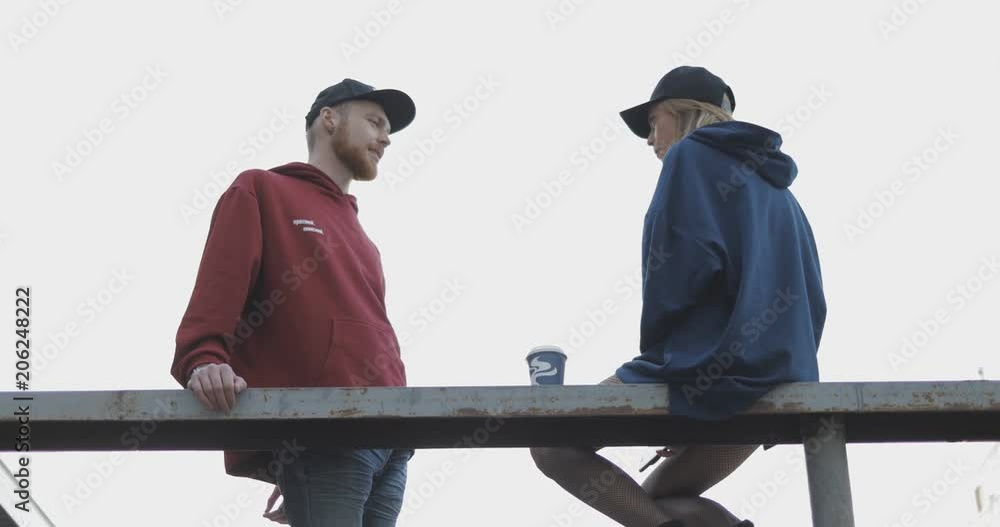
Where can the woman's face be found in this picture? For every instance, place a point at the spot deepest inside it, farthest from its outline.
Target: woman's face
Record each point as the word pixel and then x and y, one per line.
pixel 662 129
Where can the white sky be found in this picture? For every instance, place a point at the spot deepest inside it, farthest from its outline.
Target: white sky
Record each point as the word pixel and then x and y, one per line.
pixel 557 87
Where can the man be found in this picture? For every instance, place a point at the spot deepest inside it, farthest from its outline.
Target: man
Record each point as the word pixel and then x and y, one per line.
pixel 290 293
pixel 732 297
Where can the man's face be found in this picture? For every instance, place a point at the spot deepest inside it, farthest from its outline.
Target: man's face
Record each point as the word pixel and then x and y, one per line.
pixel 360 138
pixel 662 129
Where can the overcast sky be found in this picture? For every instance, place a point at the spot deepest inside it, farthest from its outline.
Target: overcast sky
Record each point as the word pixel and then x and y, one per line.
pixel 516 185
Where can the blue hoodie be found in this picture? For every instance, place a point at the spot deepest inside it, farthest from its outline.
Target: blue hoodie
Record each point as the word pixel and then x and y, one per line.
pixel 732 297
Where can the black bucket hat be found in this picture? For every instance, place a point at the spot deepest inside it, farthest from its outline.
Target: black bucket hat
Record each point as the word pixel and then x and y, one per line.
pixel 398 106
pixel 682 82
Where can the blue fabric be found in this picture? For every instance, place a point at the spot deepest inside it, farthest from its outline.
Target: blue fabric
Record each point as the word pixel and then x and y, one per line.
pixel 344 487
pixel 732 296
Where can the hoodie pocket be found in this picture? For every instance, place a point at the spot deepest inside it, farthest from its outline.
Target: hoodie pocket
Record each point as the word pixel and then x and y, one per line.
pixel 363 354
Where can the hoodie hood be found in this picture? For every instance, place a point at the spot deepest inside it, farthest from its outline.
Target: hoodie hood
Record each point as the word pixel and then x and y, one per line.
pixel 748 142
pixel 310 173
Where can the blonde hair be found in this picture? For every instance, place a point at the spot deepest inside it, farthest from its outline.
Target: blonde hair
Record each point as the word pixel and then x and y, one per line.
pixel 691 114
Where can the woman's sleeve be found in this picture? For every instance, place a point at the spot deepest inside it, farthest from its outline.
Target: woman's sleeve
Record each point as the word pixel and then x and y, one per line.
pixel 679 269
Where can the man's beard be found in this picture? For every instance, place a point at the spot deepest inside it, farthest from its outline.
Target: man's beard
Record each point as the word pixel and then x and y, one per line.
pixel 357 159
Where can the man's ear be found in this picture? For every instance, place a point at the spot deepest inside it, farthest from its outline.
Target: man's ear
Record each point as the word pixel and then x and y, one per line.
pixel 332 119
pixel 335 116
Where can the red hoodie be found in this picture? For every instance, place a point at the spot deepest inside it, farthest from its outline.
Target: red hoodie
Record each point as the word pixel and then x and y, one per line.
pixel 290 293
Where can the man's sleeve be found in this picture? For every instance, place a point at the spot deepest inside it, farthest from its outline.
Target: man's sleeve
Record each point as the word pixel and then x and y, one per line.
pixel 226 275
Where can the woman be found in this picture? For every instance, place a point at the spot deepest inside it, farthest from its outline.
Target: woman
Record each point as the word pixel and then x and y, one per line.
pixel 732 297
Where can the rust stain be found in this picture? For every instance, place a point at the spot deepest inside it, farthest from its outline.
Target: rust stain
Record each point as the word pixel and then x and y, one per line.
pixel 470 412
pixel 123 404
pixel 542 411
pixel 938 399
pixel 766 406
pixel 349 412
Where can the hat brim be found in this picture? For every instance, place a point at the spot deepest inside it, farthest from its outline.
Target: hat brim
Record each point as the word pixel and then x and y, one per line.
pixel 398 107
pixel 637 118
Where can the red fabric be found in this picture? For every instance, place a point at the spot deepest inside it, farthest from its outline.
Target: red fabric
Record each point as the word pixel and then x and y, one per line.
pixel 290 293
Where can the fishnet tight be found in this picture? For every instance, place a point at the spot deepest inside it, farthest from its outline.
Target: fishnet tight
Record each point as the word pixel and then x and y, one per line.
pixel 604 486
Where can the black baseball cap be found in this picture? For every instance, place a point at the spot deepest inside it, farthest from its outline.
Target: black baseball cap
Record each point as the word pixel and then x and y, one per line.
pixel 398 106
pixel 682 82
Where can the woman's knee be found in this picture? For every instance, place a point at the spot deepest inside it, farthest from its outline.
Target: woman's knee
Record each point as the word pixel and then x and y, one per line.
pixel 697 511
pixel 550 459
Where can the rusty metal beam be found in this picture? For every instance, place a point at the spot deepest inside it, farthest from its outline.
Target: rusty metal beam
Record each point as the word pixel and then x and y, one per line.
pixel 493 417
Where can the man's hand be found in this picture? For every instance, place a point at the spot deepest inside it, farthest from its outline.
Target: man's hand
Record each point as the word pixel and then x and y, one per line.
pixel 277 515
pixel 216 386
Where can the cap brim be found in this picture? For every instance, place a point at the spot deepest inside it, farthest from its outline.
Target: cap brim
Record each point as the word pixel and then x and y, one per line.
pixel 398 107
pixel 637 118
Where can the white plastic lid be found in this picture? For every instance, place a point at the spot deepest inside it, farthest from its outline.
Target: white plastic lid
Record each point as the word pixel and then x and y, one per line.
pixel 547 347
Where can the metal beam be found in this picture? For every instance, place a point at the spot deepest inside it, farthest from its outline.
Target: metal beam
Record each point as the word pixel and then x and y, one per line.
pixel 445 417
pixel 825 443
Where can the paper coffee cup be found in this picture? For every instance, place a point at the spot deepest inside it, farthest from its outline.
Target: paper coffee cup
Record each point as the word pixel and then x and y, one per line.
pixel 546 365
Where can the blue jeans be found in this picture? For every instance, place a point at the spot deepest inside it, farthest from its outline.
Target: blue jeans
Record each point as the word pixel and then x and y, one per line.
pixel 344 487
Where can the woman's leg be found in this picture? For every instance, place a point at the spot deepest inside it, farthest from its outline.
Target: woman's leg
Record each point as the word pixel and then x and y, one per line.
pixel 695 469
pixel 600 483
pixel 699 512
